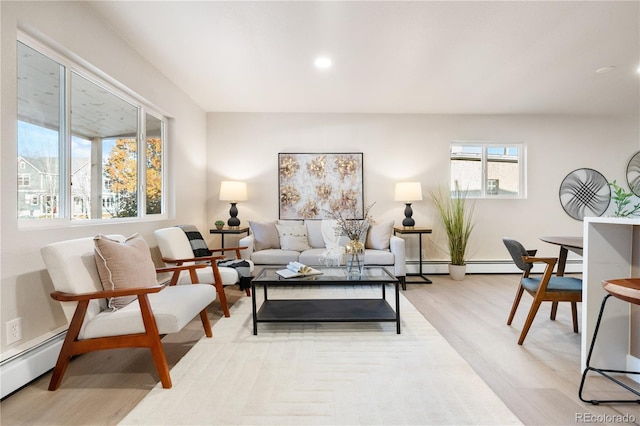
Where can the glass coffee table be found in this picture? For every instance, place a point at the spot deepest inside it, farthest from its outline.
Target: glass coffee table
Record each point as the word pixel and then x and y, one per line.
pixel 326 310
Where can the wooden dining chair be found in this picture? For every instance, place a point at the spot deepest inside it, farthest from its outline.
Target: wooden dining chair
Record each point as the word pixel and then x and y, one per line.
pixel 544 288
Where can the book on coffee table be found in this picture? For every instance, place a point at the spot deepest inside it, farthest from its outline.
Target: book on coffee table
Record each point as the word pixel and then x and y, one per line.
pixel 297 269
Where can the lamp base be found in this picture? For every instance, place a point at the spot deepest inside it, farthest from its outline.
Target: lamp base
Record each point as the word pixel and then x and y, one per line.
pixel 408 221
pixel 233 220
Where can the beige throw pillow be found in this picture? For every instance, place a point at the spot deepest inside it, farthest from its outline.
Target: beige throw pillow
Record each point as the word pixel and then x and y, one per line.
pixel 124 264
pixel 293 237
pixel 265 235
pixel 379 236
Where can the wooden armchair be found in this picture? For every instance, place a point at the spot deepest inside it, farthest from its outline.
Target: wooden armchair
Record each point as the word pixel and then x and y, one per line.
pixel 93 326
pixel 546 288
pixel 176 249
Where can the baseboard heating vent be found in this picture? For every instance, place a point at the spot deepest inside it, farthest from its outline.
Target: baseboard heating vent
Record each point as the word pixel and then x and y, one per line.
pixel 23 368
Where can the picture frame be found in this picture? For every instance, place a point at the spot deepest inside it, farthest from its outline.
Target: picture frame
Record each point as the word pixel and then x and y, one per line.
pixel 312 184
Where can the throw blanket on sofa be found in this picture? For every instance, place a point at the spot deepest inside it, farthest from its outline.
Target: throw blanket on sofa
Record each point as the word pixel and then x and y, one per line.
pixel 200 249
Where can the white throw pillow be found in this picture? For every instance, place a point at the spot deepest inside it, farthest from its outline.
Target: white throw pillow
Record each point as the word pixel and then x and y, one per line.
pixel 379 236
pixel 265 235
pixel 293 237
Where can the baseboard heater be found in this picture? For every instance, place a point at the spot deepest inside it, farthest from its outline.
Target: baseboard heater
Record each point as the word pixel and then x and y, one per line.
pixel 21 369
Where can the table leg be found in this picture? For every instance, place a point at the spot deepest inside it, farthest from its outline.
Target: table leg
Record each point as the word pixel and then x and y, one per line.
pixel 420 274
pixel 562 260
pixel 397 308
pixel 253 305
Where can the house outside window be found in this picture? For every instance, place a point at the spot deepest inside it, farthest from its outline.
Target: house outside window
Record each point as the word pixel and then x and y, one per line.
pixel 82 141
pixel 489 169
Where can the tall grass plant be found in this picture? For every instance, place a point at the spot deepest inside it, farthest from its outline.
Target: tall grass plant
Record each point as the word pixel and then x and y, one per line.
pixel 456 216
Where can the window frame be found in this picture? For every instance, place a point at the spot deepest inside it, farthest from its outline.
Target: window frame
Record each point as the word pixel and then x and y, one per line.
pixel 484 146
pixel 144 109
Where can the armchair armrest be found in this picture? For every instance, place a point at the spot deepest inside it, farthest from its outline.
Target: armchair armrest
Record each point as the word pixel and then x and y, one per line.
pixel 179 262
pixel 548 260
pixel 247 241
pixel 177 269
pixel 234 249
pixel 397 247
pixel 105 294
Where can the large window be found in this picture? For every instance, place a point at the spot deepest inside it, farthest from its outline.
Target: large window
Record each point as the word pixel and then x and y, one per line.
pixel 86 150
pixel 488 170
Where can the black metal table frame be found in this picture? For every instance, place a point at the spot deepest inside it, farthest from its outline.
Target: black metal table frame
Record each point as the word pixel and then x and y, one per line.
pixel 324 310
pixel 418 232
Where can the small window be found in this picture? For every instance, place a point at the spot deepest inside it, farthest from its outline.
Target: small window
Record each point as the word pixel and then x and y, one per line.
pixel 488 170
pixel 24 179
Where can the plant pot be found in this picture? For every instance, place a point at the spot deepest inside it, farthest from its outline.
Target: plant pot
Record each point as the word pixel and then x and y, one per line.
pixel 219 226
pixel 457 272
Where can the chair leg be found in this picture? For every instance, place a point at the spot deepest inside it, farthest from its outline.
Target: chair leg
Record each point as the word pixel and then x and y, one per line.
pixel 205 323
pixel 603 372
pixel 554 310
pixel 247 291
pixel 223 299
pixel 516 302
pixel 69 345
pixel 527 324
pixel 152 337
pixel 574 316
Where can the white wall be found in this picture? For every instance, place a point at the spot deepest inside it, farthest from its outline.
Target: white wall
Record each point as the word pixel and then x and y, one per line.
pixel 25 285
pixel 401 147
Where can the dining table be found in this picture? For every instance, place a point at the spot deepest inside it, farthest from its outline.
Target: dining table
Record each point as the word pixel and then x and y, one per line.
pixel 574 244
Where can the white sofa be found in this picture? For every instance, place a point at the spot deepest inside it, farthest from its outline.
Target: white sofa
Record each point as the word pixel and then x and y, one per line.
pixel 264 245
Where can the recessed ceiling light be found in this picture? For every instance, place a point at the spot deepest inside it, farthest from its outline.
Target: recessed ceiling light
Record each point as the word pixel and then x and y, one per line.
pixel 605 70
pixel 322 62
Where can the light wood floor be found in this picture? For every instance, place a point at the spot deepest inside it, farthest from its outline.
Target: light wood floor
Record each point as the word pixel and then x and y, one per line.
pixel 537 381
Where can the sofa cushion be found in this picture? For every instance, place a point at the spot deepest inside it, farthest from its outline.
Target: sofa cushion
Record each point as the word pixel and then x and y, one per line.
pixel 265 235
pixel 293 237
pixel 124 264
pixel 379 235
pixel 312 257
pixel 274 257
pixel 314 233
pixel 170 316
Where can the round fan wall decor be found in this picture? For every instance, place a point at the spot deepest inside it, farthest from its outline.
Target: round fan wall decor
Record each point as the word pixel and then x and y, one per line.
pixel 585 192
pixel 633 174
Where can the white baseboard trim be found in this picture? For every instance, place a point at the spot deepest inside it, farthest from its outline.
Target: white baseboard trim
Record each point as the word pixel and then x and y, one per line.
pixel 483 267
pixel 21 369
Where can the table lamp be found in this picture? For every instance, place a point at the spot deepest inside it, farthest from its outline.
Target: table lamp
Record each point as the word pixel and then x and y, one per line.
pixel 233 191
pixel 408 192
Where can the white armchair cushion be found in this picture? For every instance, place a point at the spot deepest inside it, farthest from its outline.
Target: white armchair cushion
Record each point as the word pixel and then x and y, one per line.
pixel 173 243
pixel 173 308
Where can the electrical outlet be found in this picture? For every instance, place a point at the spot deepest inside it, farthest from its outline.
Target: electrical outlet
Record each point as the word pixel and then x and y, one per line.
pixel 14 330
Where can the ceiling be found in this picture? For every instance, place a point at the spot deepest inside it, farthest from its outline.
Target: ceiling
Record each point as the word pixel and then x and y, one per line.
pixel 444 57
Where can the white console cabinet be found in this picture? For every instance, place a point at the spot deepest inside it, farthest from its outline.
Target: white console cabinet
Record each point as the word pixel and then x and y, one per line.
pixel 611 250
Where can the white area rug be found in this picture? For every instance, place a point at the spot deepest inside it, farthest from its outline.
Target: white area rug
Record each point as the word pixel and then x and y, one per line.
pixel 322 374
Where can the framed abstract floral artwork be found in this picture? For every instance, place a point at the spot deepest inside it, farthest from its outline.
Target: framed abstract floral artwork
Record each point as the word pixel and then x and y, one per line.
pixel 310 185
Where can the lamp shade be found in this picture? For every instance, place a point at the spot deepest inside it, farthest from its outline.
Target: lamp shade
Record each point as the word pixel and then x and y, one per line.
pixel 233 191
pixel 408 191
